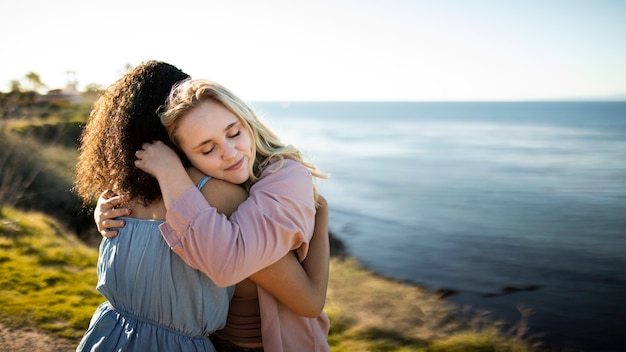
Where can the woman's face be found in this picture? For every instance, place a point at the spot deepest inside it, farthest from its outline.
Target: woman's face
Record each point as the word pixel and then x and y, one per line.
pixel 216 142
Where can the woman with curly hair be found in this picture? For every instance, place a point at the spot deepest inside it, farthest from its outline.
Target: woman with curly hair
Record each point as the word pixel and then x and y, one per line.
pixel 155 301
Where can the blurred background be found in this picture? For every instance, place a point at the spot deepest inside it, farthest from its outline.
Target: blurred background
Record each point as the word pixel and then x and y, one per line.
pixel 475 148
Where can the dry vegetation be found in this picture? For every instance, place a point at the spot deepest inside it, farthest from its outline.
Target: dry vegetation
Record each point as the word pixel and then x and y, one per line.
pixel 372 313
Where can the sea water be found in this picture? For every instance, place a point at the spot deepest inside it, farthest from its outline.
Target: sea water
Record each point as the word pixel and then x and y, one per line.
pixel 506 205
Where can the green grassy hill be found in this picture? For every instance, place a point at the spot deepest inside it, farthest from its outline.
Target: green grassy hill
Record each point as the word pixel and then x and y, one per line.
pixel 47 275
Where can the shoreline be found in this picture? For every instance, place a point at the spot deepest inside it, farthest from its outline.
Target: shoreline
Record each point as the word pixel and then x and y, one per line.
pixel 506 315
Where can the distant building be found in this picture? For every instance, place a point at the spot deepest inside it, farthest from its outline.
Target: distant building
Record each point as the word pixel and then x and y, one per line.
pixel 68 94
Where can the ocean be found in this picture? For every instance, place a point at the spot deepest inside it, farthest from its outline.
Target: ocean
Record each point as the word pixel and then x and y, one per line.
pixel 504 205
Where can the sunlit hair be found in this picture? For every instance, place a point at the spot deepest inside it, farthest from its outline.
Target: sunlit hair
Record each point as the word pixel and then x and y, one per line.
pixel 266 146
pixel 122 119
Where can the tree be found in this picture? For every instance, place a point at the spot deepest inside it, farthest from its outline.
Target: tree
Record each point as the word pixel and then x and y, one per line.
pixel 15 85
pixel 93 87
pixel 35 81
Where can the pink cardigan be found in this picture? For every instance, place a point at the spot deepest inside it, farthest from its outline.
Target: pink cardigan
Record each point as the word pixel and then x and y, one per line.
pixel 277 217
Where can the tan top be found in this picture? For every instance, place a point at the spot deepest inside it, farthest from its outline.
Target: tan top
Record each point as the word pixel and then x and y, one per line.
pixel 243 325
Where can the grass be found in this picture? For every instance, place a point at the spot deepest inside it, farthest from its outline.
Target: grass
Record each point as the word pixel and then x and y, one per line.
pixel 47 276
pixel 48 279
pixel 371 313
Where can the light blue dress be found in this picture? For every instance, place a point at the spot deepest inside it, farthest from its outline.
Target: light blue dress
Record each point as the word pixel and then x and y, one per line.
pixel 156 302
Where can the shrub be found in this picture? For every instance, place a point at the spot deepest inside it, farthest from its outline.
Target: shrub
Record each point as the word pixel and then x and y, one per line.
pixel 36 173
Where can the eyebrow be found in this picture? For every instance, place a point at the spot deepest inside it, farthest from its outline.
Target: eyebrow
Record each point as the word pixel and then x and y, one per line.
pixel 207 141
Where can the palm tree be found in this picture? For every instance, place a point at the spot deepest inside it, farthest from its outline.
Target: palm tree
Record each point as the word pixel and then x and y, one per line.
pixel 35 81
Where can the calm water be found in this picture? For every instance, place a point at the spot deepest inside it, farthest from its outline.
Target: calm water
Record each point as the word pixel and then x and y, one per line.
pixel 509 204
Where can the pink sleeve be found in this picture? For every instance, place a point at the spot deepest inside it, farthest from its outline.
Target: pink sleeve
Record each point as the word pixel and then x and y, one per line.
pixel 278 216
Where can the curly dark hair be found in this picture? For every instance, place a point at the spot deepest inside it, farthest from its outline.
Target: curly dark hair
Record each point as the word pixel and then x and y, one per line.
pixel 122 119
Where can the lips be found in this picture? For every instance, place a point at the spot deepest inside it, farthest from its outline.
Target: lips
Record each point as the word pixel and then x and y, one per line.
pixel 237 166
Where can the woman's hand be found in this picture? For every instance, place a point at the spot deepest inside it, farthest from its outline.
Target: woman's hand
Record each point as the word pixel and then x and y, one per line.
pixel 158 159
pixel 107 210
pixel 161 161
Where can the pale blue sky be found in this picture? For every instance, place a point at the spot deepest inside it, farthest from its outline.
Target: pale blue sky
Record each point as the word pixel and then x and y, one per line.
pixel 331 50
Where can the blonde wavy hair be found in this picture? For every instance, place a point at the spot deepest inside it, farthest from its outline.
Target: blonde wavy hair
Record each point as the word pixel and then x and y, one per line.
pixel 266 147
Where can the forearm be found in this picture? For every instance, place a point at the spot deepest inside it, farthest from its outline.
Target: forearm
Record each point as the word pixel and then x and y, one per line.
pixel 317 262
pixel 173 184
pixel 302 286
pixel 287 281
pixel 209 242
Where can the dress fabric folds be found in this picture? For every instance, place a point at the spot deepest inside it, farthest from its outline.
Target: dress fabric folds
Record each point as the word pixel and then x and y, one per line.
pixel 155 301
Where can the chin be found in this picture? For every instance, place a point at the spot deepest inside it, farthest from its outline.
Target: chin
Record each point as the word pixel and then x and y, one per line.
pixel 235 179
pixel 241 180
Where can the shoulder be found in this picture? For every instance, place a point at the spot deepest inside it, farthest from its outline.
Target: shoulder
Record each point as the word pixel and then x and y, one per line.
pixel 195 174
pixel 290 178
pixel 224 196
pixel 286 167
pixel 217 186
pixel 221 194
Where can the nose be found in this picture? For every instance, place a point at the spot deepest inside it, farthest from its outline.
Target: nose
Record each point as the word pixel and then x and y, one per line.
pixel 229 151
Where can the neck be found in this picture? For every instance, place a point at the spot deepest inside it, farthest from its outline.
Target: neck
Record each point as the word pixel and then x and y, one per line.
pixel 154 210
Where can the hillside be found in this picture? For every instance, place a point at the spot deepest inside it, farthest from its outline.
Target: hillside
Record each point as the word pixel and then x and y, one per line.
pixel 48 279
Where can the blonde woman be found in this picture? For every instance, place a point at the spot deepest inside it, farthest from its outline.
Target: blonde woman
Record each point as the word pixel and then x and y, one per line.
pixel 222 137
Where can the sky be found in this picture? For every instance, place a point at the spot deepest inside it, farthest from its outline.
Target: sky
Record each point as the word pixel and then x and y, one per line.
pixel 352 50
